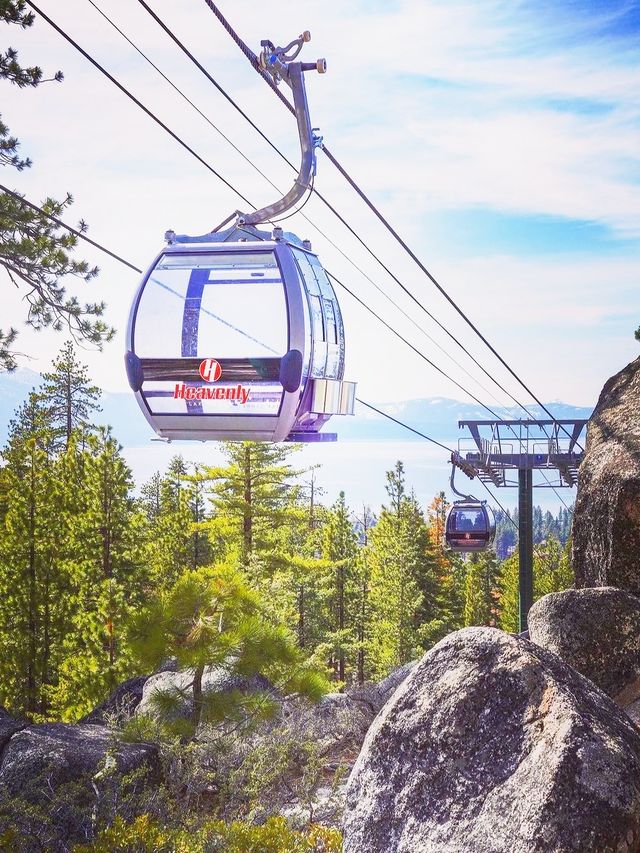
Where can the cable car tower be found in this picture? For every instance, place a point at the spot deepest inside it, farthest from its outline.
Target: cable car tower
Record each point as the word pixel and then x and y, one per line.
pixel 237 334
pixel 498 450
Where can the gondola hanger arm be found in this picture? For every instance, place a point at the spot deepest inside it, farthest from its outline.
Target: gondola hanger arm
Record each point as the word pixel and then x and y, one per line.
pixel 279 63
pixel 458 462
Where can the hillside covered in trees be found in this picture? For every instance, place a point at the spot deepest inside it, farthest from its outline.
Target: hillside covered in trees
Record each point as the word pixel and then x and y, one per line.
pixel 244 569
pixel 360 589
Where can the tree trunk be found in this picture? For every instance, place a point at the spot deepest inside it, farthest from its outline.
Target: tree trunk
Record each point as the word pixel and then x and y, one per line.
pixel 301 625
pixel 46 639
pixel 361 632
pixel 247 527
pixel 32 614
pixel 69 424
pixel 341 621
pixel 196 714
pixel 107 573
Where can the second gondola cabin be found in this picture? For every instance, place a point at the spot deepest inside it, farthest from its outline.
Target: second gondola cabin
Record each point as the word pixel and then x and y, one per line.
pixel 238 335
pixel 470 527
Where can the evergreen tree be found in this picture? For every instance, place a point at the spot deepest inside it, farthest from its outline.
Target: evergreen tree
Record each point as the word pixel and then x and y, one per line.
pixel 69 397
pixel 506 533
pixel 552 567
pixel 552 572
pixel 363 578
pixel 538 525
pixel 27 562
pixel 296 591
pixel 174 506
pixel 482 592
pixel 304 580
pixel 210 617
pixel 106 576
pixel 34 251
pixel 340 585
pixel 509 594
pixel 200 550
pixel 428 617
pixel 151 497
pixel 254 495
pixel 168 521
pixel 403 580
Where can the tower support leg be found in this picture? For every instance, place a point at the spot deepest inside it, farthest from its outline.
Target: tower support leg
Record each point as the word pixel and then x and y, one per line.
pixel 525 544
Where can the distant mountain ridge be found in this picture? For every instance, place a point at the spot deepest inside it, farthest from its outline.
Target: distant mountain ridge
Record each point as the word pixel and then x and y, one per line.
pixel 435 416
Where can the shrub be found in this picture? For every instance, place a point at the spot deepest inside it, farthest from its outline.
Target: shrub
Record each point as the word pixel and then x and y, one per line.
pixel 144 835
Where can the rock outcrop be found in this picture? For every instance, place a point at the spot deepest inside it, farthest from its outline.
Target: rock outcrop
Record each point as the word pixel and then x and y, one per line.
pixel 61 753
pixel 335 728
pixel 493 744
pixel 606 521
pixel 178 683
pixel 120 705
pixel 9 726
pixel 58 780
pixel 597 632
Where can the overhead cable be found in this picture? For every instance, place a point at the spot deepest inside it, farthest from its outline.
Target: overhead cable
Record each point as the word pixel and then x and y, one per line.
pixel 138 103
pixel 62 224
pixel 402 424
pixel 248 160
pixel 254 62
pixel 434 281
pixel 409 344
pixel 180 92
pixel 201 160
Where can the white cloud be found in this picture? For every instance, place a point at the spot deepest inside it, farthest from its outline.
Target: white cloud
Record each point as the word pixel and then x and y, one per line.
pixel 489 138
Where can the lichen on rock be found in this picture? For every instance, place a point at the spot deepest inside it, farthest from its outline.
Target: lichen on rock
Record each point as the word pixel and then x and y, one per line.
pixel 597 632
pixel 492 745
pixel 606 520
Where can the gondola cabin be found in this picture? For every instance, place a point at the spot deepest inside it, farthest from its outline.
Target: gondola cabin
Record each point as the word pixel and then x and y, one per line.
pixel 470 527
pixel 238 335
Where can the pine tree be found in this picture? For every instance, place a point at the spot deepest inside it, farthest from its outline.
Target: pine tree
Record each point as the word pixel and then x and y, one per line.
pixel 482 592
pixel 363 576
pixel 506 534
pixel 210 617
pixel 151 497
pixel 509 595
pixel 200 549
pixel 69 397
pixel 552 572
pixel 34 251
pixel 340 585
pixel 107 576
pixel 254 495
pixel 27 562
pixel 403 580
pixel 538 525
pixel 552 567
pixel 174 506
pixel 300 580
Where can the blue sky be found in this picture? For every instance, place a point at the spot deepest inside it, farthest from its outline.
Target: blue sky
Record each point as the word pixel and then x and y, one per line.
pixel 617 20
pixel 502 139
